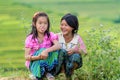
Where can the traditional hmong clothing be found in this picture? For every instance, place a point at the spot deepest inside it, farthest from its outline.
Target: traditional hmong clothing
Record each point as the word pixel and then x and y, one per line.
pixel 38 67
pixel 69 60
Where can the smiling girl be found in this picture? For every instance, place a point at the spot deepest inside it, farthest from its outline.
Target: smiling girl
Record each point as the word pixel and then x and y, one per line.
pixel 40 47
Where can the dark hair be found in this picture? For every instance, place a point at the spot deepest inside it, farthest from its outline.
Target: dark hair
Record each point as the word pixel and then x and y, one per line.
pixel 72 21
pixel 34 20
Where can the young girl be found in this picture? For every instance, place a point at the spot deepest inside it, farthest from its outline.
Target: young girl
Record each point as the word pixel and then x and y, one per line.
pixel 40 47
pixel 72 44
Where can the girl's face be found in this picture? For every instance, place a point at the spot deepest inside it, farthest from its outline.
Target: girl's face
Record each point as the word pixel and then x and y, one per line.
pixel 41 24
pixel 65 28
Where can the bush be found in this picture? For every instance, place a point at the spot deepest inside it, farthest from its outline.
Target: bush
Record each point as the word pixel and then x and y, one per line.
pixel 103 57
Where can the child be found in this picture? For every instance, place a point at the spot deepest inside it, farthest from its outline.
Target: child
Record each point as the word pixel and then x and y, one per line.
pixel 40 47
pixel 72 44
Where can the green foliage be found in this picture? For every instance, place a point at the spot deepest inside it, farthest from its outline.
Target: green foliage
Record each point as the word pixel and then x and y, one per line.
pixel 103 57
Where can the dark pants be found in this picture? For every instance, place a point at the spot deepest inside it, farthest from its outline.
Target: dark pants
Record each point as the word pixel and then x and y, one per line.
pixel 68 62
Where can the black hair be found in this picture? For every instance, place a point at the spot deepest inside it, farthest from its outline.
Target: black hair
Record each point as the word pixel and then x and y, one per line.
pixel 72 21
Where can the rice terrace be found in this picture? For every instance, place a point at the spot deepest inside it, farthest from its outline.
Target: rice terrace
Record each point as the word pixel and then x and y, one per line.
pixel 99 27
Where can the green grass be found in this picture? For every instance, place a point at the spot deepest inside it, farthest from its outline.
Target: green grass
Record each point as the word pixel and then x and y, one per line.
pixel 101 63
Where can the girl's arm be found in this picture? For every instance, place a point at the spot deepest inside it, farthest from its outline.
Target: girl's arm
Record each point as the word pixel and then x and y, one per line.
pixel 27 53
pixel 79 48
pixel 29 57
pixel 28 46
pixel 44 54
pixel 80 51
pixel 56 46
pixel 76 50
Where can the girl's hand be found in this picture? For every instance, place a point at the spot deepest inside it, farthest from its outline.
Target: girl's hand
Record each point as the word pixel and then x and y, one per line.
pixel 28 57
pixel 43 55
pixel 70 51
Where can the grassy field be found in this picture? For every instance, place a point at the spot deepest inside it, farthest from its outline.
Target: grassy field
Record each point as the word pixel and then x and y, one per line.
pixel 99 27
